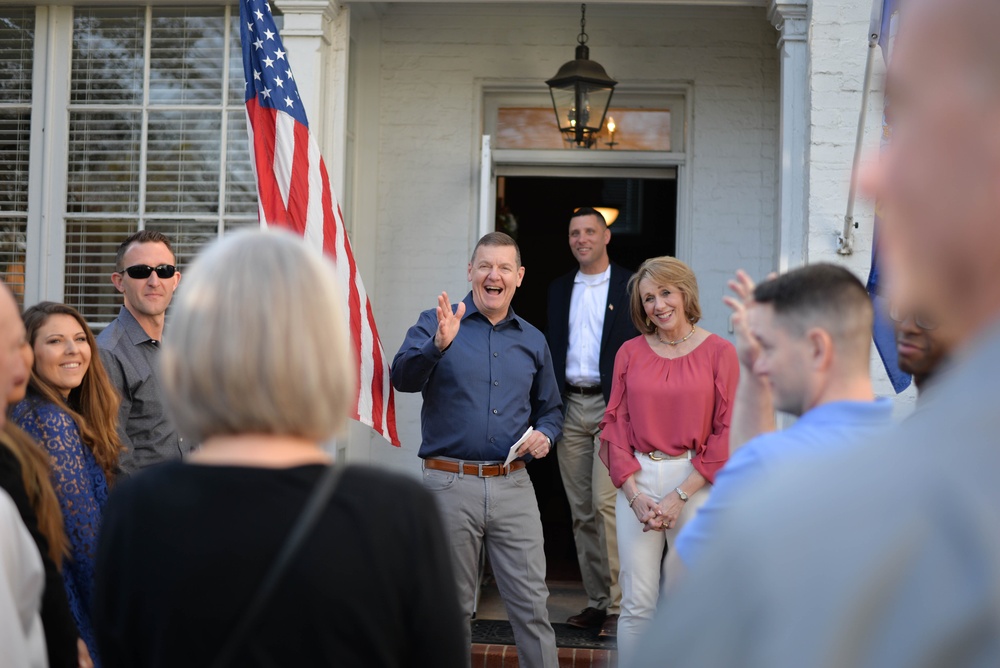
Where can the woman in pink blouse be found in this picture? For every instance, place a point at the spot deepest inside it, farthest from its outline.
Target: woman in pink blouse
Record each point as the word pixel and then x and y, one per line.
pixel 666 430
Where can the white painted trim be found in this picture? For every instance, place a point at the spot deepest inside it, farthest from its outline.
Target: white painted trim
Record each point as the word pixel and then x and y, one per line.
pixel 224 141
pixel 588 158
pixel 487 187
pixel 791 244
pixel 306 17
pixel 577 171
pixel 307 34
pixel 492 93
pixel 684 229
pixel 147 48
pixel 46 252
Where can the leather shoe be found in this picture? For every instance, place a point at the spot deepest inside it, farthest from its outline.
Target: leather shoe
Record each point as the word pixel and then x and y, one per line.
pixel 590 618
pixel 609 629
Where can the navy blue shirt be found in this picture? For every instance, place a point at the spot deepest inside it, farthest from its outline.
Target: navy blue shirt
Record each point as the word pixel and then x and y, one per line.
pixel 484 390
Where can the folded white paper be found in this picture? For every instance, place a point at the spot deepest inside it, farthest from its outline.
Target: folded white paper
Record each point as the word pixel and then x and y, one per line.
pixel 513 449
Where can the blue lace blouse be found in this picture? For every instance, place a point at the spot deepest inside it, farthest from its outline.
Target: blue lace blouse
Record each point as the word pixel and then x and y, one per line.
pixel 82 489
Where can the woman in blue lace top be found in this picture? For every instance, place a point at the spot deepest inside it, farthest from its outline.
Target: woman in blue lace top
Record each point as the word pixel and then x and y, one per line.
pixel 71 409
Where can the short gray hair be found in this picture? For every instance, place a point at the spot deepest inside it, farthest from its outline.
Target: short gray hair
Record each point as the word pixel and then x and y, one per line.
pixel 258 342
pixel 497 239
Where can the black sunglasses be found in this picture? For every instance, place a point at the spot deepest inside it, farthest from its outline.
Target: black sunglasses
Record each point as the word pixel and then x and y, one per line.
pixel 142 271
pixel 924 323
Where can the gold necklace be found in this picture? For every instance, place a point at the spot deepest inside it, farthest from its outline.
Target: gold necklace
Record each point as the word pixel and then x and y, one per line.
pixel 678 341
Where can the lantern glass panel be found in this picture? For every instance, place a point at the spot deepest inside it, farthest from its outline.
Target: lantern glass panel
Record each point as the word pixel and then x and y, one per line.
pixel 564 103
pixel 596 101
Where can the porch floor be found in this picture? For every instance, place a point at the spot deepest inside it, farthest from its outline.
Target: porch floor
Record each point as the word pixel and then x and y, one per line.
pixel 577 649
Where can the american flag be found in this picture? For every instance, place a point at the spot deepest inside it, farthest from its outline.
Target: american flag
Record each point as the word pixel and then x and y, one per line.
pixel 294 192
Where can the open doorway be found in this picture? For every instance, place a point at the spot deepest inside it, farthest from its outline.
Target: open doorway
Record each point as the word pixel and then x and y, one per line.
pixel 536 210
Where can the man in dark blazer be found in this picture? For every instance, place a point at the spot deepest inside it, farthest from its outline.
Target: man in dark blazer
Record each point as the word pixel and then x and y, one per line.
pixel 588 320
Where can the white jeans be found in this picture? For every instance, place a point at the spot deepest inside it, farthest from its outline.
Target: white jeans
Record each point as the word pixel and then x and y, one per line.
pixel 643 555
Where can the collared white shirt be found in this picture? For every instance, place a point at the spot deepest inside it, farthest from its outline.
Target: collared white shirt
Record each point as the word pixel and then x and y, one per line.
pixel 586 325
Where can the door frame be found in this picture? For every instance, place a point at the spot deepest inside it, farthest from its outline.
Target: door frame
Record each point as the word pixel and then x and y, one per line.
pixel 493 162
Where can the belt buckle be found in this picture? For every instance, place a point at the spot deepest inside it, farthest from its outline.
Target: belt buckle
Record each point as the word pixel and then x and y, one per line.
pixel 656 456
pixel 480 467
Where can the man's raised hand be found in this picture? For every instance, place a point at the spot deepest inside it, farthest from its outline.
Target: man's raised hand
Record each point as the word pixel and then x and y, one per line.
pixel 747 346
pixel 448 322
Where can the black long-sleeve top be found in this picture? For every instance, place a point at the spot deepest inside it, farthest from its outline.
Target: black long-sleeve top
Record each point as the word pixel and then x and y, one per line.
pixel 184 546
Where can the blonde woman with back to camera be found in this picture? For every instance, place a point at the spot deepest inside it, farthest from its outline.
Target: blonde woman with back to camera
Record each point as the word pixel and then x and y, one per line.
pixel 258 369
pixel 665 432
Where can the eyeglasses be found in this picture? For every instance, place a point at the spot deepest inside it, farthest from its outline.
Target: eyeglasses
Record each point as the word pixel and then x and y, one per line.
pixel 921 321
pixel 143 271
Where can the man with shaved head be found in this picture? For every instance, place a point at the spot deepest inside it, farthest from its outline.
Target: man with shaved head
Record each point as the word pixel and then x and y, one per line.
pixel 889 555
pixel 804 340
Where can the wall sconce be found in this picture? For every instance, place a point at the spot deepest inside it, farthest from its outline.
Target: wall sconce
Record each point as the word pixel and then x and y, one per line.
pixel 611 133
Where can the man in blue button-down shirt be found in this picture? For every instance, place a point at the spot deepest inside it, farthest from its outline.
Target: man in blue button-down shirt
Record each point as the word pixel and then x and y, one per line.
pixel 486 375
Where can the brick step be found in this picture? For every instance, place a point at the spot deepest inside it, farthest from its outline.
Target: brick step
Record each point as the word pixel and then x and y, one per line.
pixel 505 656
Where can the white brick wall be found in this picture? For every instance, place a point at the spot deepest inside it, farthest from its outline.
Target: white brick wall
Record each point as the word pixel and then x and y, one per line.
pixel 430 122
pixel 838 47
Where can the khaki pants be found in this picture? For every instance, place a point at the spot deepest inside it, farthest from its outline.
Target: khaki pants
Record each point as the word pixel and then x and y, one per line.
pixel 591 501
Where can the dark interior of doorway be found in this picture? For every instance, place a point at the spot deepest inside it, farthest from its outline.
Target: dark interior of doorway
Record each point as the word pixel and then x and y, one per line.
pixel 536 211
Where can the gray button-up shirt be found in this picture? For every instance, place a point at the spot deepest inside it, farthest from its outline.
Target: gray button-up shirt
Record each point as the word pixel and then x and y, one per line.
pixel 129 356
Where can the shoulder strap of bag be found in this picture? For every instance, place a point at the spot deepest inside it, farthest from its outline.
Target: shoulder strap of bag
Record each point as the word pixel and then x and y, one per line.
pixel 313 508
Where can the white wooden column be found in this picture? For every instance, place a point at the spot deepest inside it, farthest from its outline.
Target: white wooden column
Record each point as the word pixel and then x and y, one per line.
pixel 791 19
pixel 315 35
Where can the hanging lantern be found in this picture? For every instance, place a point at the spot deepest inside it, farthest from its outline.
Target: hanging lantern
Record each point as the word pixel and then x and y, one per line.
pixel 581 93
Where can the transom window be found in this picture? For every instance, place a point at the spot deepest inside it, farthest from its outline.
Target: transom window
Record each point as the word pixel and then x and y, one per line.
pixel 624 129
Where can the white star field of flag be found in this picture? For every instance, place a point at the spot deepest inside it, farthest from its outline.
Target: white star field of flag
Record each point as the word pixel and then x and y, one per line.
pixel 268 74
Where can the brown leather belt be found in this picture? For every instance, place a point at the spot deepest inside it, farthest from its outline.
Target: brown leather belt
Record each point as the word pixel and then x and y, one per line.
pixel 583 391
pixel 481 470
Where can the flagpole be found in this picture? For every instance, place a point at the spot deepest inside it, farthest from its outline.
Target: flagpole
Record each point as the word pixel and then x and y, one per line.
pixel 846 240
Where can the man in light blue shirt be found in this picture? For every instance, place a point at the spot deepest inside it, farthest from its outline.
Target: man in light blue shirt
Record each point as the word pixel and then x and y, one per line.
pixel 887 554
pixel 804 341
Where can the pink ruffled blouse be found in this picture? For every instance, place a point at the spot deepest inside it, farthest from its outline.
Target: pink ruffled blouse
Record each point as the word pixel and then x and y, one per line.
pixel 670 406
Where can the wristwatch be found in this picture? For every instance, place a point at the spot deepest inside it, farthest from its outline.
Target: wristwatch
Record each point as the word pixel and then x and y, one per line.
pixel 681 493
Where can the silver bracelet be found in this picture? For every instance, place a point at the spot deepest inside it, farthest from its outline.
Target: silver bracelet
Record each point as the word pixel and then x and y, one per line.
pixel 632 500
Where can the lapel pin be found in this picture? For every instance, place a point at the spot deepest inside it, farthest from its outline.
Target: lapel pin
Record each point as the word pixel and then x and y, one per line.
pixel 611 307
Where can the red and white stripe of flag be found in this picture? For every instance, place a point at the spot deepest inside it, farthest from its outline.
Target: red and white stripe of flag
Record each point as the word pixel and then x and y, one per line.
pixel 294 192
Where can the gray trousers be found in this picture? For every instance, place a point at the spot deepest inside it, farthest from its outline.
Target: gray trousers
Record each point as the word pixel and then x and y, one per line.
pixel 503 512
pixel 591 497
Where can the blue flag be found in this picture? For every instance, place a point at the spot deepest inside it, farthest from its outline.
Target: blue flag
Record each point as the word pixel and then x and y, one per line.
pixel 884 333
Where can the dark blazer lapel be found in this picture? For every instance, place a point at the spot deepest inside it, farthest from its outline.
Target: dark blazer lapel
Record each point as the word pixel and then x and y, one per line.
pixel 563 303
pixel 617 292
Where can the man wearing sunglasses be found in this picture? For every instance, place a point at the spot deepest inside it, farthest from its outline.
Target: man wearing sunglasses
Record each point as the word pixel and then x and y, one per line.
pixel 921 346
pixel 145 273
